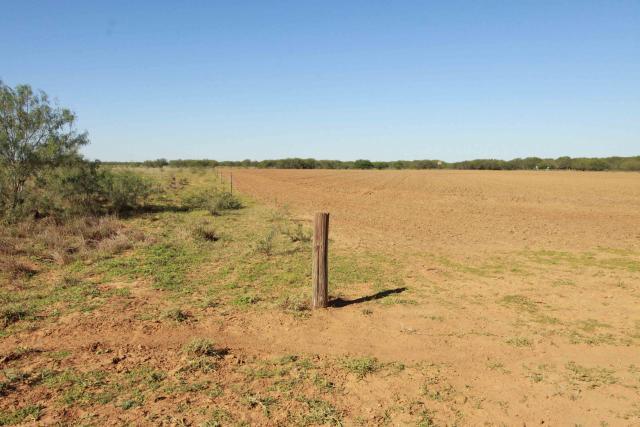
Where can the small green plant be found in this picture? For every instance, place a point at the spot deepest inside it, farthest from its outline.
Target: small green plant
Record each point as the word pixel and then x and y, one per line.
pixel 12 314
pixel 293 304
pixel 226 201
pixel 519 342
pixel 320 412
pixel 28 413
pixel 594 377
pixel 216 202
pixel 219 417
pixel 200 364
pixel 244 300
pixel 177 315
pixel 297 234
pixel 265 244
pixel 519 302
pixel 281 214
pixel 203 347
pixel 205 232
pixel 361 366
pixel 265 402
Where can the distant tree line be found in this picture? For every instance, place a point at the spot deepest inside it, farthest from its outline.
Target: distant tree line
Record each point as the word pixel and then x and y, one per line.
pixel 528 163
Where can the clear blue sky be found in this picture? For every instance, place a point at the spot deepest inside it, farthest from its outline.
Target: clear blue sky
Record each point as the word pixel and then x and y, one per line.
pixel 382 80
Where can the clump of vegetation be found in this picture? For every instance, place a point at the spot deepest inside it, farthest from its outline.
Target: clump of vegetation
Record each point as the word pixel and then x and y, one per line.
pixel 42 172
pixel 20 415
pixel 47 241
pixel 177 315
pixel 124 190
pixel 361 366
pixel 35 137
pixel 265 244
pixel 219 417
pixel 320 412
pixel 294 304
pixel 297 233
pixel 200 364
pixel 12 314
pixel 265 402
pixel 225 201
pixel 203 347
pixel 214 201
pixel 16 268
pixel 519 342
pixel 19 353
pixel 244 300
pixel 594 377
pixel 206 232
pixel 519 302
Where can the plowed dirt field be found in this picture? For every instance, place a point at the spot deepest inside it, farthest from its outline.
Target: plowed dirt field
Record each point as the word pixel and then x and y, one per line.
pixel 462 211
pixel 522 288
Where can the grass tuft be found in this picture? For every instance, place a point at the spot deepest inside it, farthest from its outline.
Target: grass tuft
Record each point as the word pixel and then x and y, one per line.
pixel 12 314
pixel 177 315
pixel 297 234
pixel 265 244
pixel 206 232
pixel 361 366
pixel 203 347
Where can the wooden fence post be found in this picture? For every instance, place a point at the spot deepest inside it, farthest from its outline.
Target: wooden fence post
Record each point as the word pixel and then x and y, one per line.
pixel 320 272
pixel 231 181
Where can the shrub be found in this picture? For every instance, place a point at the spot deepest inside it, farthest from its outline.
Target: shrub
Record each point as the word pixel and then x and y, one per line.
pixel 16 268
pixel 177 315
pixel 297 305
pixel 265 244
pixel 35 136
pixel 115 245
pixel 197 200
pixel 48 240
pixel 124 190
pixel 205 232
pixel 203 347
pixel 227 201
pixel 244 300
pixel 298 233
pixel 12 314
pixel 83 188
pixel 212 200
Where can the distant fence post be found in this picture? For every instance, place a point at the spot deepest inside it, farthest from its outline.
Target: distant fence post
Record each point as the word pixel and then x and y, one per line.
pixel 231 182
pixel 320 271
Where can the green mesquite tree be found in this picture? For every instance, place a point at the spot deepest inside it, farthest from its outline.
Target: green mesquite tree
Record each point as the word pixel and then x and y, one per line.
pixel 35 136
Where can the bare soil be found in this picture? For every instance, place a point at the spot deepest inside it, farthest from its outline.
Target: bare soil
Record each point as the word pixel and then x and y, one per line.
pixel 515 279
pixel 459 298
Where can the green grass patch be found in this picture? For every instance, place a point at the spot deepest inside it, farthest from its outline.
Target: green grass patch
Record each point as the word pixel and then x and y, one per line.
pixel 361 366
pixel 20 415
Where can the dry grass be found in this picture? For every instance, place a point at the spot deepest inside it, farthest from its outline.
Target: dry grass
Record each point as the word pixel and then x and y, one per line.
pixel 46 241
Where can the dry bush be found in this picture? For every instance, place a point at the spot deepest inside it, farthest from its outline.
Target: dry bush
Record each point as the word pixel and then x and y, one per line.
pixel 115 245
pixel 297 233
pixel 205 232
pixel 47 240
pixel 12 314
pixel 16 268
pixel 294 304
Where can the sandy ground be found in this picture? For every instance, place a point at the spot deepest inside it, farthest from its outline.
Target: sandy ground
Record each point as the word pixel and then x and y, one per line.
pixel 510 298
pixel 524 286
pixel 462 212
